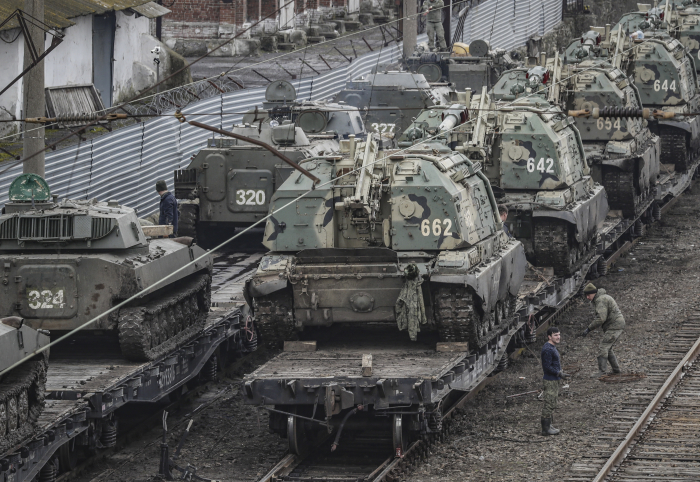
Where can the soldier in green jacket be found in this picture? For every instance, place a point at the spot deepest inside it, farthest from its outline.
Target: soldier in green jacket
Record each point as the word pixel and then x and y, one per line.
pixel 433 9
pixel 610 319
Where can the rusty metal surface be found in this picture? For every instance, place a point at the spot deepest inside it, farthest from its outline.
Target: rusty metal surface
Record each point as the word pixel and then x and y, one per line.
pixel 58 12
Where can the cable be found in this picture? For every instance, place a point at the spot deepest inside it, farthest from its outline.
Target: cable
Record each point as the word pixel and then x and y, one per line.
pixel 224 243
pixel 112 109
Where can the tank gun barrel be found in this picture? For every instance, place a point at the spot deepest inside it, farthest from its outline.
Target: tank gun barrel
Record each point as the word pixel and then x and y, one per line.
pixel 453 116
pixel 624 112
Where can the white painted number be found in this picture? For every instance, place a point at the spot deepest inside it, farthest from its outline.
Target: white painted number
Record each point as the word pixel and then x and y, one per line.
pixel 542 165
pixel 665 86
pixel 439 227
pixel 607 124
pixel 45 299
pixel 382 128
pixel 250 197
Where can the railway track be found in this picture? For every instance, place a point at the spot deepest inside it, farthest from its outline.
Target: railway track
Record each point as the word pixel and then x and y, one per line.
pixel 654 434
pixel 359 464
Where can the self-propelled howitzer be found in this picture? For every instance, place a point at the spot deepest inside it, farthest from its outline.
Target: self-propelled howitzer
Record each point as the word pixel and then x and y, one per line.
pixel 533 155
pixel 665 75
pixel 623 153
pixel 357 248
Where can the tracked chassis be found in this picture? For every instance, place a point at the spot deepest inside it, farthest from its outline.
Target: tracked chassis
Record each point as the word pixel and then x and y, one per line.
pixel 68 263
pixel 22 393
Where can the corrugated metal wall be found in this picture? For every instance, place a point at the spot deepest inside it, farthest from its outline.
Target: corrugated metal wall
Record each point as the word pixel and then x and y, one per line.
pixel 509 23
pixel 125 164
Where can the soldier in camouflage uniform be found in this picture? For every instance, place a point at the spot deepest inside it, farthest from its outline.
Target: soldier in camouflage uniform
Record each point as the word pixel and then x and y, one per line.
pixel 551 366
pixel 610 319
pixel 433 9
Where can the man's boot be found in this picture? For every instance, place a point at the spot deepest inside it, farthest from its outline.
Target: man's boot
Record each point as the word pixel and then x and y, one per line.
pixel 602 367
pixel 547 428
pixel 613 362
pixel 551 423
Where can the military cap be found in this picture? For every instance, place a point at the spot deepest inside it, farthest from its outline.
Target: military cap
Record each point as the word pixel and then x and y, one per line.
pixel 590 288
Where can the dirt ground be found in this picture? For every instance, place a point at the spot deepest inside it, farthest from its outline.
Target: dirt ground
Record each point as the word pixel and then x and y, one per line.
pixel 495 438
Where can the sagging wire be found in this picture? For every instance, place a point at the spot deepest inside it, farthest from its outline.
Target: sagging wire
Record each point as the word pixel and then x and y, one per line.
pixel 138 97
pixel 160 282
pixel 114 108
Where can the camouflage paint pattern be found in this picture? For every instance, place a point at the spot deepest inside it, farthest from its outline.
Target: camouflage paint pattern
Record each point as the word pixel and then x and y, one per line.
pixel 421 207
pixel 624 144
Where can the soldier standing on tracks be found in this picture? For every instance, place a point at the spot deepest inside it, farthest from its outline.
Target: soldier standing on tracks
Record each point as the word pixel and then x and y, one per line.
pixel 168 207
pixel 609 317
pixel 551 366
pixel 433 9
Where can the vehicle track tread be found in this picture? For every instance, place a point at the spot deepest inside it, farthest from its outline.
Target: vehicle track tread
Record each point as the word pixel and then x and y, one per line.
pixel 151 330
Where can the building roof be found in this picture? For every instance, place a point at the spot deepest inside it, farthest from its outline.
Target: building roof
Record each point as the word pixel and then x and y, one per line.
pixel 57 13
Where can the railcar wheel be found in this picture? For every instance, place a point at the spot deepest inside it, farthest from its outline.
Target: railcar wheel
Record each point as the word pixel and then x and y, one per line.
pixel 399 436
pixel 296 435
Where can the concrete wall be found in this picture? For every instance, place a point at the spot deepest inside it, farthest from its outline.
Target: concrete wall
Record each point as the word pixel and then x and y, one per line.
pixel 71 63
pixel 134 69
pixel 11 56
pixel 76 46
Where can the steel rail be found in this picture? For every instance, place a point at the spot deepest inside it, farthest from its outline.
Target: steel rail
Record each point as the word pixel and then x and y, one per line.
pixel 624 448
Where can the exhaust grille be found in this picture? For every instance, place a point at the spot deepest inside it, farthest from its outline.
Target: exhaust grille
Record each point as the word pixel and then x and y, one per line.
pixel 8 229
pixel 46 227
pixel 101 227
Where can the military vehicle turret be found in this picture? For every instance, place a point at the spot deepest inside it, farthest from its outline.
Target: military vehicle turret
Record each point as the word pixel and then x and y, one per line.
pixel 357 250
pixel 683 19
pixel 470 66
pixel 664 74
pixel 229 183
pixel 533 156
pixel 22 389
pixel 623 153
pixel 318 119
pixel 535 160
pixel 68 262
pixel 388 100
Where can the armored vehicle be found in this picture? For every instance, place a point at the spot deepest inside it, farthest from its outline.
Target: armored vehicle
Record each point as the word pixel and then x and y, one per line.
pixel 390 99
pixel 664 74
pixel 230 182
pixel 534 158
pixel 683 19
pixel 22 389
pixel 465 67
pixel 623 153
pixel 318 119
pixel 413 239
pixel 68 262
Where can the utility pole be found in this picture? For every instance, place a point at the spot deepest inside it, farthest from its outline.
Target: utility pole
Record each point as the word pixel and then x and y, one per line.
pixel 34 102
pixel 410 27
